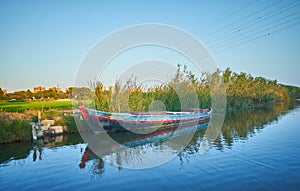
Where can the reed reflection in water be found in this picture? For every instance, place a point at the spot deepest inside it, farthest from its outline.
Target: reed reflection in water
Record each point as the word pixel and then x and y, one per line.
pixel 256 150
pixel 240 125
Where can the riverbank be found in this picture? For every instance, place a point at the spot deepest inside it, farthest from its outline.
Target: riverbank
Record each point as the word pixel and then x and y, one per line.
pixel 16 127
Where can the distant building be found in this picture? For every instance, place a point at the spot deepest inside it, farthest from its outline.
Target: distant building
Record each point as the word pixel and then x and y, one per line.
pixel 55 89
pixel 4 92
pixel 39 89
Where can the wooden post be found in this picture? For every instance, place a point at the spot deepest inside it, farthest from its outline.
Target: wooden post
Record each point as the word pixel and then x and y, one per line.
pixel 39 116
pixel 34 136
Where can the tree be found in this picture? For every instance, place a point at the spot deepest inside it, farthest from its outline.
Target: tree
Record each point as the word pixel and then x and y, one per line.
pixel 1 93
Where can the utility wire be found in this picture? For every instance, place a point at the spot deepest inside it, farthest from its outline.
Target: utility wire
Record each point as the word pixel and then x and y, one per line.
pixel 255 31
pixel 230 15
pixel 221 19
pixel 165 57
pixel 242 19
pixel 260 19
pixel 253 35
pixel 256 38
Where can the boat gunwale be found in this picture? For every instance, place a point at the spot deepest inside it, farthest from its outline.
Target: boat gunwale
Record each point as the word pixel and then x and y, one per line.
pixel 131 118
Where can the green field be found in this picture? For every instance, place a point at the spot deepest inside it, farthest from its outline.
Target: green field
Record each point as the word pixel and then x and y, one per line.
pixel 34 105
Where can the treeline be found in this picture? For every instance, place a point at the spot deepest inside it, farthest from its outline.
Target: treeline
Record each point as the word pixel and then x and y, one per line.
pixel 242 91
pixel 245 91
pixel 294 91
pixel 29 95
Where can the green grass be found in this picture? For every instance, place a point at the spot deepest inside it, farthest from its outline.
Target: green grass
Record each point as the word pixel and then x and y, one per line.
pixel 18 130
pixel 34 105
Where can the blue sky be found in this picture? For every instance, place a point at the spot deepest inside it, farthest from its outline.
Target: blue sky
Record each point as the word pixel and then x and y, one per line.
pixel 44 42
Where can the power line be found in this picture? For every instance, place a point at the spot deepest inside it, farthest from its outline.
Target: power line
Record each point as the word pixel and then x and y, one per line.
pixel 256 38
pixel 231 14
pixel 263 9
pixel 256 31
pixel 244 18
pixel 223 18
pixel 260 19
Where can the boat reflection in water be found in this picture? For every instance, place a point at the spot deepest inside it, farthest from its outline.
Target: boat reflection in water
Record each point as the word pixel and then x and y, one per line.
pixel 128 148
pixel 132 150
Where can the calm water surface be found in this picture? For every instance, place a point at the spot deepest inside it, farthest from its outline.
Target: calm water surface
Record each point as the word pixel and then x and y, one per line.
pixel 256 150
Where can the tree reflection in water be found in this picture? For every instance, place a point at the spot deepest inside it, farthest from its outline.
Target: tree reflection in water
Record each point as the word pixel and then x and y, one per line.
pixel 238 125
pixel 244 124
pixel 35 149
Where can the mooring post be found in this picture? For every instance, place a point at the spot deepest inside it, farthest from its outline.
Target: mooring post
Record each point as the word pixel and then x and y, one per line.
pixel 34 136
pixel 36 126
pixel 39 117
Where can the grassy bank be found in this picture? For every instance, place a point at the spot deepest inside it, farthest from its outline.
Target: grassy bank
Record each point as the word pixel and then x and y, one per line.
pixel 7 106
pixel 15 118
pixel 16 126
pixel 17 130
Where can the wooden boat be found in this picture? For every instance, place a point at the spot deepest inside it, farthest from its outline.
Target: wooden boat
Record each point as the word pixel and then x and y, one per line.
pixel 113 121
pixel 124 140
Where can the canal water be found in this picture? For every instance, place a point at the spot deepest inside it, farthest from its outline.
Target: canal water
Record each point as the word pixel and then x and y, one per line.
pixel 256 150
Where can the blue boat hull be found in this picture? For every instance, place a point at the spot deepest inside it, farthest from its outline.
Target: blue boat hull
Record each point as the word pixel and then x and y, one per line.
pixel 109 121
